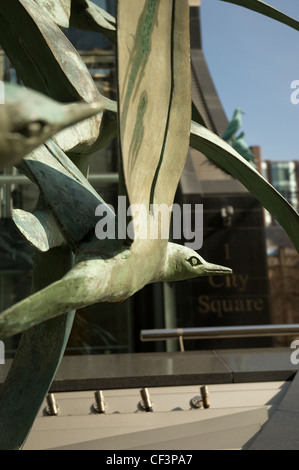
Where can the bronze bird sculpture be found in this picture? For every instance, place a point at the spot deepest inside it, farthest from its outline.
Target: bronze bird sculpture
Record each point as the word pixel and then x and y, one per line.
pixel 113 270
pixel 29 118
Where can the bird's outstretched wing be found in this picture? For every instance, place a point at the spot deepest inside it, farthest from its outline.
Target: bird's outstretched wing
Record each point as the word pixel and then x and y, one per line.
pixel 67 199
pixel 47 62
pixel 154 90
pixel 59 297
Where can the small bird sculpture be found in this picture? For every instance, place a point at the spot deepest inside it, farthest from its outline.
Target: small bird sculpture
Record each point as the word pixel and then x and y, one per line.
pixel 233 126
pixel 242 148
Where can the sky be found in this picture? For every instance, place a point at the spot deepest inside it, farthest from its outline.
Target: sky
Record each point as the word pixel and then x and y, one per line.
pixel 253 60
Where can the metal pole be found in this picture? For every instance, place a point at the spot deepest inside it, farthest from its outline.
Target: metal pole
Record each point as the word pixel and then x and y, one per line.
pixel 169 312
pixel 220 332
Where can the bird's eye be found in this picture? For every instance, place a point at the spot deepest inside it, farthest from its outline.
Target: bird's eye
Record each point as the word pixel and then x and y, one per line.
pixel 194 261
pixel 32 129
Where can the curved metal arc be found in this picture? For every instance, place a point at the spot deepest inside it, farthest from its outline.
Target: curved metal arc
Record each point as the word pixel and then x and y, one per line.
pixel 37 359
pixel 266 10
pixel 226 158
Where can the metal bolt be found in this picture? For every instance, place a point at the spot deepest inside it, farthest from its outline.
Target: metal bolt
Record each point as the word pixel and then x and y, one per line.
pixel 205 396
pixel 146 403
pixel 52 408
pixel 99 406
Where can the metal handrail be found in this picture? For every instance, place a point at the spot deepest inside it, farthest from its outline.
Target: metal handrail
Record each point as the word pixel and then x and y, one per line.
pixel 218 332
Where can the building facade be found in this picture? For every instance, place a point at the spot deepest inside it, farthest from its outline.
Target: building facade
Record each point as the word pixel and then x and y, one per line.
pixel 283 259
pixel 284 176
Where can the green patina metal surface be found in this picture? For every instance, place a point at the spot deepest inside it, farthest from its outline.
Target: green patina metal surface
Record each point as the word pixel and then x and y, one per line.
pixel 139 54
pixel 29 118
pixel 37 359
pixel 138 129
pixel 153 114
pixel 112 270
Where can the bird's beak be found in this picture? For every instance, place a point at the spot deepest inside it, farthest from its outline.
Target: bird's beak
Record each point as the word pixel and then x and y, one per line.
pixel 76 112
pixel 216 270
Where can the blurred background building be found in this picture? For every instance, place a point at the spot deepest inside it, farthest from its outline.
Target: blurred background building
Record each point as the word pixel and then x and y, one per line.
pixel 234 229
pixel 283 260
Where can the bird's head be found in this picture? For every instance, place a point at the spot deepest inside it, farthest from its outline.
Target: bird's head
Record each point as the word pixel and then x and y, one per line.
pixel 29 118
pixel 184 263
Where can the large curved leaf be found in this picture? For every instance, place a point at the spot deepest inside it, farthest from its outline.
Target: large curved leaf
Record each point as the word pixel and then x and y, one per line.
pixel 266 10
pixel 153 140
pixel 226 158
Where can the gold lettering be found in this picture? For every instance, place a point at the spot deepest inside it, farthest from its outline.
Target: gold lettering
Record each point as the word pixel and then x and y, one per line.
pixel 203 302
pixel 243 281
pixel 236 281
pixel 216 307
pixel 227 306
pixel 258 304
pixel 221 306
pixel 239 305
pixel 217 282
